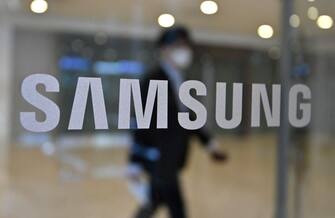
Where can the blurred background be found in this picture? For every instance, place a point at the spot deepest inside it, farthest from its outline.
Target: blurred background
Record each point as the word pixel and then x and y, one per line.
pixel 82 174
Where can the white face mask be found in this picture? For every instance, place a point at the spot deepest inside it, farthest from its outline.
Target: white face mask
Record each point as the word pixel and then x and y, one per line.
pixel 181 57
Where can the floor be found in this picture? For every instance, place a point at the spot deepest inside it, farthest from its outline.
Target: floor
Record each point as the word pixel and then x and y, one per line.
pixel 243 187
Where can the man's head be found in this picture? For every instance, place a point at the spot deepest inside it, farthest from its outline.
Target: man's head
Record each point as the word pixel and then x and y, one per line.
pixel 175 47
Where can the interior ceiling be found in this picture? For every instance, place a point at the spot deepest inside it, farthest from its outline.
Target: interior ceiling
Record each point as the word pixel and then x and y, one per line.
pixel 234 16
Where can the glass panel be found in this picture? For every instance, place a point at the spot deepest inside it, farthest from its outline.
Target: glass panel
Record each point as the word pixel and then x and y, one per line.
pixel 312 152
pixel 92 167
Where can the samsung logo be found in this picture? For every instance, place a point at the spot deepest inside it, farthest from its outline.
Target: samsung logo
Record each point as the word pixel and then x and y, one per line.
pixel 299 106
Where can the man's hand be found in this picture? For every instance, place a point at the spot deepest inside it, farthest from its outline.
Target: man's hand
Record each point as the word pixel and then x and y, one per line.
pixel 219 156
pixel 216 153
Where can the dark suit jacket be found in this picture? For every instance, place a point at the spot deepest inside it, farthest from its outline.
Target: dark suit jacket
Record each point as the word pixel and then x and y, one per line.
pixel 172 143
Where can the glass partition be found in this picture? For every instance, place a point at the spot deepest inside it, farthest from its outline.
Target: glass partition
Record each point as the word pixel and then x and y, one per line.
pixel 260 78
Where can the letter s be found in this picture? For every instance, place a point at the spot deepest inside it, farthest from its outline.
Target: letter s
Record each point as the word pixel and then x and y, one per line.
pixel 32 96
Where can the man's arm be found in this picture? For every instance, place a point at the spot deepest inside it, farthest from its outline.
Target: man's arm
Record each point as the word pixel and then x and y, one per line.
pixel 211 145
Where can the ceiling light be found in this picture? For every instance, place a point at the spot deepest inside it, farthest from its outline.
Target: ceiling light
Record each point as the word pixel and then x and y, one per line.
pixel 265 31
pixel 295 21
pixel 312 13
pixel 325 22
pixel 209 7
pixel 166 20
pixel 39 6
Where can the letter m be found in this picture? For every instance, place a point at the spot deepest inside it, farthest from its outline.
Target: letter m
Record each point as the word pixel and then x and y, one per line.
pixel 130 88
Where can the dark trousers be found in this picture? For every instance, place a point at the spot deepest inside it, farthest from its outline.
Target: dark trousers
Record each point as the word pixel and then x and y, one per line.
pixel 164 192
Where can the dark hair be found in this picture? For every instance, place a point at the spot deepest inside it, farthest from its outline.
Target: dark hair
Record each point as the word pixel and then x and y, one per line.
pixel 172 35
